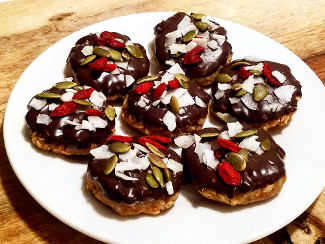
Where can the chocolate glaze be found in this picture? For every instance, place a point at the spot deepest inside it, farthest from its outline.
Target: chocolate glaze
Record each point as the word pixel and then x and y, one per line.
pixel 57 132
pixel 258 174
pixel 264 112
pixel 153 115
pixel 110 84
pixel 193 71
pixel 120 190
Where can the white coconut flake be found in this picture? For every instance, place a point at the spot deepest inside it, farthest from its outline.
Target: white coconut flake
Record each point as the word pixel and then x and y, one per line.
pixel 169 120
pixel 248 100
pixel 68 79
pixel 74 122
pixel 181 111
pixel 175 48
pixel 143 101
pixel 211 55
pixel 37 103
pixel 87 50
pixel 253 58
pixel 52 106
pixel 123 176
pixel 257 79
pixel 277 74
pixel 172 36
pixel 97 98
pixel 258 67
pixel 174 92
pixel 184 23
pixel 190 46
pixel 269 98
pixel 173 165
pixel 250 143
pixel 127 155
pixel 170 62
pixel 234 128
pixel 176 69
pixel 284 93
pixel 188 28
pixel 224 135
pixel 116 71
pixel 101 152
pixel 43 119
pixel 234 100
pixel 209 159
pixel 219 94
pixel 129 80
pixel 224 86
pixel 248 84
pixel 67 97
pixel 141 148
pixel 97 121
pixel 86 125
pixel 184 141
pixel 199 102
pixel 169 188
pixel 200 42
pixel 259 150
pixel 155 103
pixel 213 25
pixel 213 44
pixel 122 64
pixel 165 78
pixel 129 43
pixel 185 100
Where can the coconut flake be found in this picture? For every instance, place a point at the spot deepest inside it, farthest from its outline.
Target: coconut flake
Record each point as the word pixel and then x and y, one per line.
pixel 202 42
pixel 169 120
pixel 184 141
pixel 224 135
pixel 259 151
pixel 209 159
pixel 127 155
pixel 170 62
pixel 248 100
pixel 181 111
pixel 269 98
pixel 220 39
pixel 248 84
pixel 97 121
pixel 190 46
pixel 74 122
pixel 277 74
pixel 199 102
pixel 155 103
pixel 37 103
pixel 253 58
pixel 86 125
pixel 173 165
pixel 174 92
pixel 234 128
pixel 143 101
pixel 129 42
pixel 219 94
pixel 129 80
pixel 67 97
pixel 87 50
pixel 250 143
pixel 175 48
pixel 184 23
pixel 165 78
pixel 234 100
pixel 141 148
pixel 224 86
pixel 43 119
pixel 97 98
pixel 213 25
pixel 284 93
pixel 169 188
pixel 258 67
pixel 68 79
pixel 172 36
pixel 185 100
pixel 123 176
pixel 176 69
pixel 213 44
pixel 52 106
pixel 101 152
pixel 188 28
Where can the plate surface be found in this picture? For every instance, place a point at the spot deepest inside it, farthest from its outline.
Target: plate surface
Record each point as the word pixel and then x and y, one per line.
pixel 58 184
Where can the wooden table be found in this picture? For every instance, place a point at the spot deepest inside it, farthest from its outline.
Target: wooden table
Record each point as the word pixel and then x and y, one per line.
pixel 30 27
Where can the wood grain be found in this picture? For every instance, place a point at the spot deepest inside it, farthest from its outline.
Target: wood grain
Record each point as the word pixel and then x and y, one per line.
pixel 30 27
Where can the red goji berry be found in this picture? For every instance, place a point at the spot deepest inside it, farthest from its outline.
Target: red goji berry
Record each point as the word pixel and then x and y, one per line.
pixel 109 67
pixel 161 139
pixel 243 73
pixel 267 71
pixel 98 65
pixel 83 94
pixel 93 112
pixel 159 91
pixel 173 84
pixel 107 34
pixel 228 174
pixel 64 109
pixel 104 37
pixel 120 138
pixel 228 145
pixel 193 56
pixel 115 43
pixel 218 154
pixel 143 140
pixel 143 88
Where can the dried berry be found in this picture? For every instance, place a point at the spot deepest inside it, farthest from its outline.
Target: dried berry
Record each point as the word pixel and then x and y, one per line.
pixel 174 84
pixel 143 88
pixel 83 94
pixel 267 71
pixel 64 109
pixel 193 56
pixel 142 140
pixel 93 112
pixel 120 138
pixel 102 65
pixel 228 145
pixel 159 91
pixel 243 73
pixel 229 175
pixel 161 139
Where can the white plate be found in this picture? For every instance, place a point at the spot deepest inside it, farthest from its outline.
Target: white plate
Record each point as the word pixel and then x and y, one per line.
pixel 57 183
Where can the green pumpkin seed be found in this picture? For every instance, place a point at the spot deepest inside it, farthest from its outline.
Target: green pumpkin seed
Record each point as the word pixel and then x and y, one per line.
pixel 151 181
pixel 167 174
pixel 236 86
pixel 176 55
pixel 260 91
pixel 155 150
pixel 223 78
pixel 119 147
pixel 158 176
pixel 115 55
pixel 190 35
pixel 125 55
pixel 210 135
pixel 266 145
pixel 147 78
pixel 79 88
pixel 110 164
pixel 202 26
pixel 88 59
pixel 240 93
pixel 246 133
pixel 82 102
pixel 255 72
pixel 101 52
pixel 226 117
pixel 239 64
pixel 153 158
pixel 180 76
pixel 110 112
pixel 236 161
pixel 174 105
pixel 65 85
pixel 48 95
pixel 197 16
pixel 244 153
pixel 134 51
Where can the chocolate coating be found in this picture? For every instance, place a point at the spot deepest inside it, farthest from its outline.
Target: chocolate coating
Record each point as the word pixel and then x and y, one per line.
pixel 261 170
pixel 209 64
pixel 110 84
pixel 265 111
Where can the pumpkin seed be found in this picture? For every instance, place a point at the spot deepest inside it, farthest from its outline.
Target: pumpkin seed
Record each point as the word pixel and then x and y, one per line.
pixel 198 16
pixel 153 158
pixel 119 147
pixel 125 55
pixel 239 64
pixel 190 35
pixel 110 112
pixel 240 93
pixel 134 51
pixel 65 85
pixel 151 181
pixel 174 105
pixel 176 55
pixel 158 176
pixel 237 86
pixel 110 164
pixel 79 88
pixel 115 55
pixel 209 135
pixel 255 72
pixel 244 153
pixel 82 102
pixel 236 161
pixel 183 84
pixel 155 150
pixel 48 95
pixel 245 133
pixel 88 59
pixel 147 78
pixel 260 91
pixel 180 77
pixel 266 145
pixel 223 78
pixel 226 117
pixel 101 52
pixel 167 174
pixel 202 26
